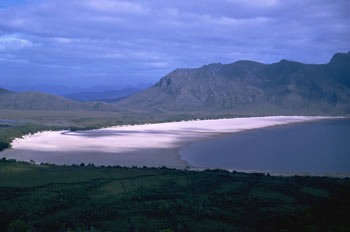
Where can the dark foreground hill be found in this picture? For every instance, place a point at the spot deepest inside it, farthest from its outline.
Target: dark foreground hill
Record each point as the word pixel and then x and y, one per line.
pixel 87 198
pixel 44 101
pixel 249 87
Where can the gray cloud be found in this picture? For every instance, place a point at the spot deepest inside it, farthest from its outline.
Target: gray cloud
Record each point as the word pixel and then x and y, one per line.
pixel 115 42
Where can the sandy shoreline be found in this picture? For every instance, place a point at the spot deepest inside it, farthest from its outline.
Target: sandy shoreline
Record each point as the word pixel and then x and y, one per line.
pixel 151 145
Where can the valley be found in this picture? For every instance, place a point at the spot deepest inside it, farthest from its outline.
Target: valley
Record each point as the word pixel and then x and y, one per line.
pixel 102 165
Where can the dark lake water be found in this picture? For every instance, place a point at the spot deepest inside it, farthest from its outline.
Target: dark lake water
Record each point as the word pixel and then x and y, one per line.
pixel 314 147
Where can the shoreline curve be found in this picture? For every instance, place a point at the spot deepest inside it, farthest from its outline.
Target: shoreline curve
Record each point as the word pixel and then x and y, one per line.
pixel 151 145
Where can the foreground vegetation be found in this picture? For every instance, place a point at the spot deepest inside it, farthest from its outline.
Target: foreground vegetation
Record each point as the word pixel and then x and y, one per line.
pixel 87 198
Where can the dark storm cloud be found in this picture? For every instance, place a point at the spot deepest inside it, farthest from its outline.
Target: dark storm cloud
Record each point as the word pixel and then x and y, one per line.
pixel 90 42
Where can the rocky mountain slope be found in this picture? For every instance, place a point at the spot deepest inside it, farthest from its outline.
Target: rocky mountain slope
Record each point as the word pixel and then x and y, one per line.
pixel 243 87
pixel 286 87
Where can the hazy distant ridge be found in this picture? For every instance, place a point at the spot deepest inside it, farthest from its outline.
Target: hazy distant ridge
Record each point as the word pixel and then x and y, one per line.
pixel 107 96
pixel 44 101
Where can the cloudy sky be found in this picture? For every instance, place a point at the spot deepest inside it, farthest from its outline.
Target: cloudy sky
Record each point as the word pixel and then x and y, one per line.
pixel 121 42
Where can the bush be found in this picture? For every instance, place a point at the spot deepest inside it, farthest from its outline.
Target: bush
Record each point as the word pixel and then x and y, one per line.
pixel 20 226
pixel 4 145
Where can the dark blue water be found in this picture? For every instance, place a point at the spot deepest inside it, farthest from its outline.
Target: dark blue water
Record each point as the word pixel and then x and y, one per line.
pixel 315 147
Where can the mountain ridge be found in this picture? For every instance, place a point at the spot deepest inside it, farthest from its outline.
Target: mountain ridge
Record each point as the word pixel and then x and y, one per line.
pixel 243 87
pixel 34 100
pixel 247 86
pixel 5 91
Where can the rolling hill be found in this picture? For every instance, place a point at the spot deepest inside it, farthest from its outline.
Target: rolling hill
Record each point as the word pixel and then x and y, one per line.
pixel 5 91
pixel 44 101
pixel 248 87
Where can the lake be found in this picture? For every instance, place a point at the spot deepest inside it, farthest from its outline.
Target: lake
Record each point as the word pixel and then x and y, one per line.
pixel 314 147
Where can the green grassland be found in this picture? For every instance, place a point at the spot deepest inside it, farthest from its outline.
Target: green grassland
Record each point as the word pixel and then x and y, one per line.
pixel 88 198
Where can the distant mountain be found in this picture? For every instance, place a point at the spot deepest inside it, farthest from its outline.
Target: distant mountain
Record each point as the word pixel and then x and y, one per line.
pixel 243 87
pixel 106 96
pixel 71 88
pixel 44 101
pixel 4 91
pixel 249 87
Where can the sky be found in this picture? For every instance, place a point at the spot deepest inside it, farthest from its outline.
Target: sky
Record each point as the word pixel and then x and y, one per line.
pixel 115 43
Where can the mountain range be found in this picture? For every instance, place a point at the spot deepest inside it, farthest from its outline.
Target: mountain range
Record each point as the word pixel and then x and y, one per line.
pixel 286 87
pixel 247 87
pixel 42 101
